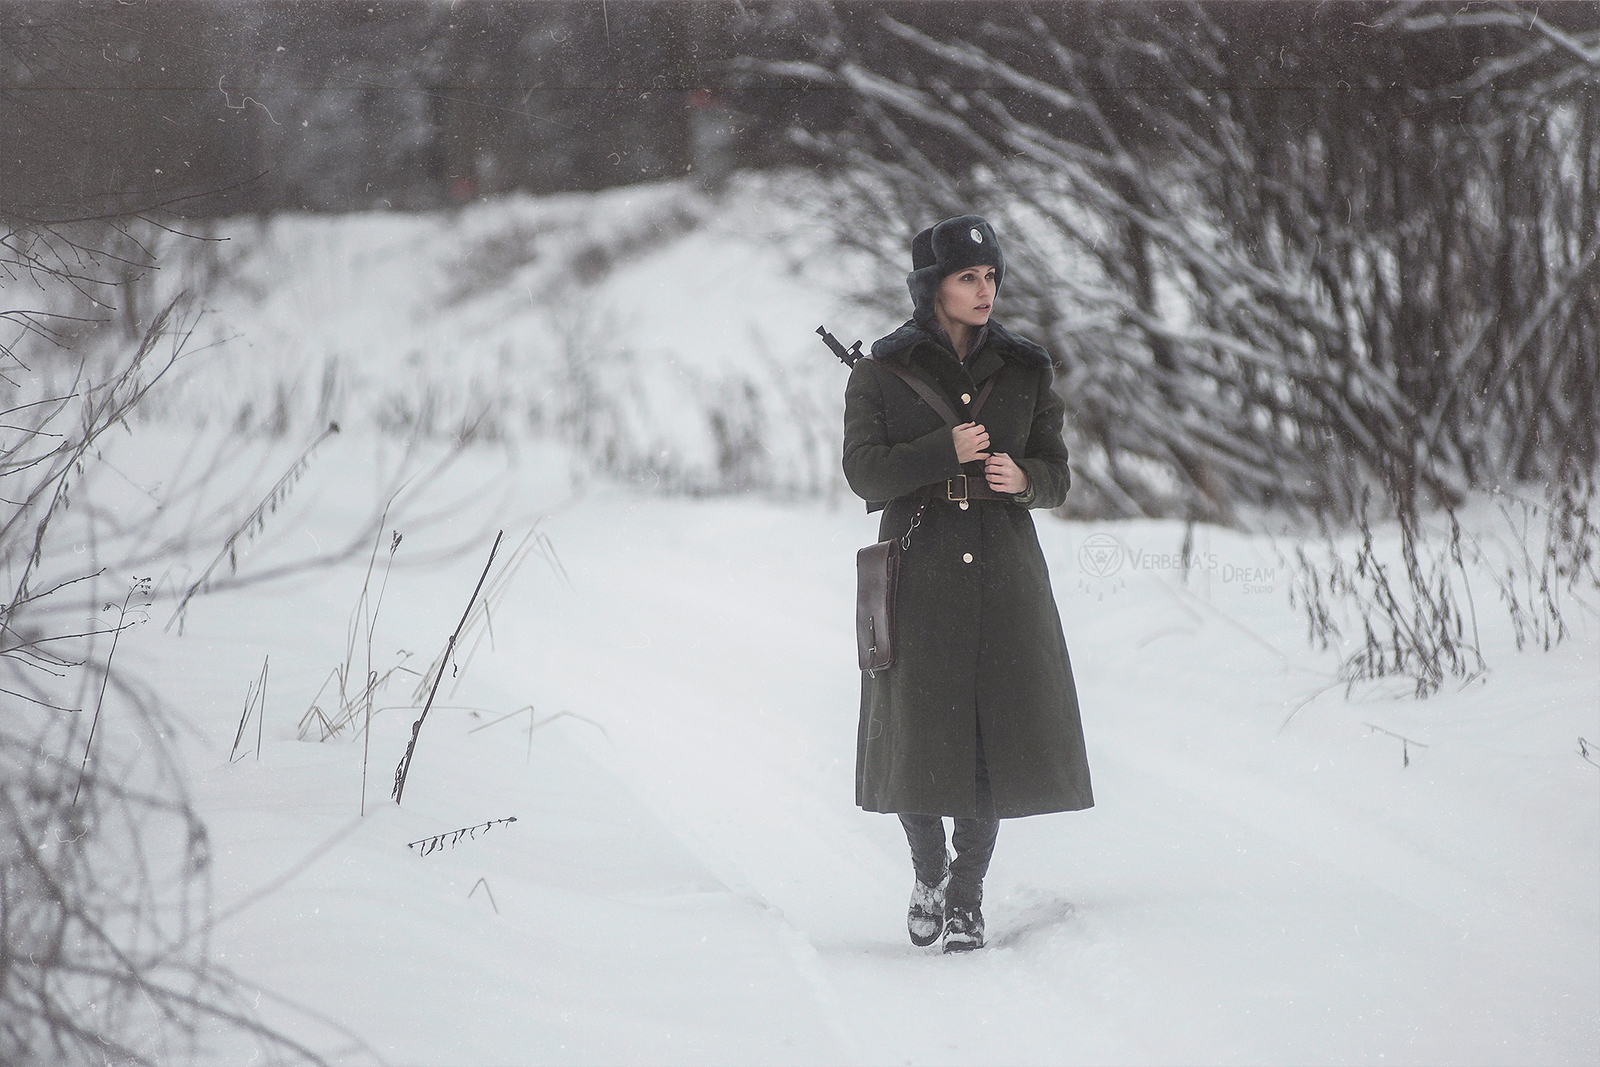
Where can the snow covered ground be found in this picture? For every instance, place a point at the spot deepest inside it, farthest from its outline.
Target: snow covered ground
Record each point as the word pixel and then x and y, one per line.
pixel 665 703
pixel 688 880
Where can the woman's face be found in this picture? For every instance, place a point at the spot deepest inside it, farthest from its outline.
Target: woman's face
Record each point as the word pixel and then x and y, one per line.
pixel 967 296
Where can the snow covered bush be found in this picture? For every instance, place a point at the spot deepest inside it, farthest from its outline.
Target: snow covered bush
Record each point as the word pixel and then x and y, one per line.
pixel 1403 605
pixel 1417 620
pixel 1274 275
pixel 104 865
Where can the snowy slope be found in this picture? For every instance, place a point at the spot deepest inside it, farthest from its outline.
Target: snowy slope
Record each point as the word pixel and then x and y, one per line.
pixel 665 334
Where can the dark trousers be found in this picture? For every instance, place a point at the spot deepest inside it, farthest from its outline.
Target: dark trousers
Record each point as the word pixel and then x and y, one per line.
pixel 973 840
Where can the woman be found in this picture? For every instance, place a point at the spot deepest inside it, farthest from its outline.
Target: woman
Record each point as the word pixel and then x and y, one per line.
pixel 978 718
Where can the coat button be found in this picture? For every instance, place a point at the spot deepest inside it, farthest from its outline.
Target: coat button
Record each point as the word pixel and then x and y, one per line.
pixel 963 505
pixel 966 398
pixel 966 557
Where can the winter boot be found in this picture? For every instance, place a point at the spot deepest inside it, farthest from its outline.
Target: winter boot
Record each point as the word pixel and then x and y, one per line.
pixel 963 927
pixel 925 917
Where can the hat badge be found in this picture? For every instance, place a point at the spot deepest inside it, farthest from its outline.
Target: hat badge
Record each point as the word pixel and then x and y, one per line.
pixel 977 236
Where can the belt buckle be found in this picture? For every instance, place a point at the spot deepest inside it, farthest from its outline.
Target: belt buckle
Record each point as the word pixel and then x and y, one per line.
pixel 950 489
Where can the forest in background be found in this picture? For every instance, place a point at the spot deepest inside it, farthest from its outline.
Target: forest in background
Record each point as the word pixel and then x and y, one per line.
pixel 1283 253
pixel 274 105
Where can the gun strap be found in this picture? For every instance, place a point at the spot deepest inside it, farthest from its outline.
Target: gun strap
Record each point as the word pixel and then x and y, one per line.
pixel 937 402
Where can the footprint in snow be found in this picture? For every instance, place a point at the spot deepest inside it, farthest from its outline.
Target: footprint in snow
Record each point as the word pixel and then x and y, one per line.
pixel 1039 919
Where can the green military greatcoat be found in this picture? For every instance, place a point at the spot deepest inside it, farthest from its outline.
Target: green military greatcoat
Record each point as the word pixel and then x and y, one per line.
pixel 980 642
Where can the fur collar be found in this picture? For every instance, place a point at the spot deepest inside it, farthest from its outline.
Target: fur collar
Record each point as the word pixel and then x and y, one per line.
pixel 897 346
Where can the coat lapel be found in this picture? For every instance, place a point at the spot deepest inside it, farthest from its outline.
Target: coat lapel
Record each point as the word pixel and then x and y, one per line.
pixel 935 364
pixel 985 363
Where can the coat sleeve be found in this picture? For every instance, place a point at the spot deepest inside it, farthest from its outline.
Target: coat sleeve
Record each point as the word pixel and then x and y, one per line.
pixel 877 469
pixel 1045 460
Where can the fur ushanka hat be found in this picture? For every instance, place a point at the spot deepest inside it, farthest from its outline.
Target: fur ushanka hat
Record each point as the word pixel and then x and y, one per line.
pixel 944 248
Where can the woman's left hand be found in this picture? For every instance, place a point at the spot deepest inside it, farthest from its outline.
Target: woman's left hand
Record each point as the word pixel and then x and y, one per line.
pixel 1003 474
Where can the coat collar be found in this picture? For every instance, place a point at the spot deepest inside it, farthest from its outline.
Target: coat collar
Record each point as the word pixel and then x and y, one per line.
pixel 1002 344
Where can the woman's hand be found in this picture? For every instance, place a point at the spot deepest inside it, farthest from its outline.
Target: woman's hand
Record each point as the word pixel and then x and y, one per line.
pixel 1003 474
pixel 971 441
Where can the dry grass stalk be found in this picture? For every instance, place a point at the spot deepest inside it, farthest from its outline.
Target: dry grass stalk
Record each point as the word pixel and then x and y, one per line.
pixel 1412 625
pixel 372 676
pixel 352 702
pixel 1406 744
pixel 534 724
pixel 487 892
pixel 256 694
pixel 480 621
pixel 1422 622
pixel 254 523
pixel 451 838
pixel 404 767
pixel 140 585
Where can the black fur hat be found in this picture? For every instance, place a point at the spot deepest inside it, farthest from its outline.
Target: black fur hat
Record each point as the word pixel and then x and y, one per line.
pixel 946 247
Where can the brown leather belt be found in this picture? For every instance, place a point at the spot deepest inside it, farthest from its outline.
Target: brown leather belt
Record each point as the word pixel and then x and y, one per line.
pixel 961 487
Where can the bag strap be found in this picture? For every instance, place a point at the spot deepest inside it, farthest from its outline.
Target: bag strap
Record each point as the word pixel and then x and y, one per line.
pixel 925 391
pixel 934 400
pixel 983 394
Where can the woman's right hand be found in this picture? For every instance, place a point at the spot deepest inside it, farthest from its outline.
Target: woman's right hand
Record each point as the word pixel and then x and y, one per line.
pixel 972 441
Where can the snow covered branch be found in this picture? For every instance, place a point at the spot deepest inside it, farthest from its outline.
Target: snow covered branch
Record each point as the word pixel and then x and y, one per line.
pixel 1263 287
